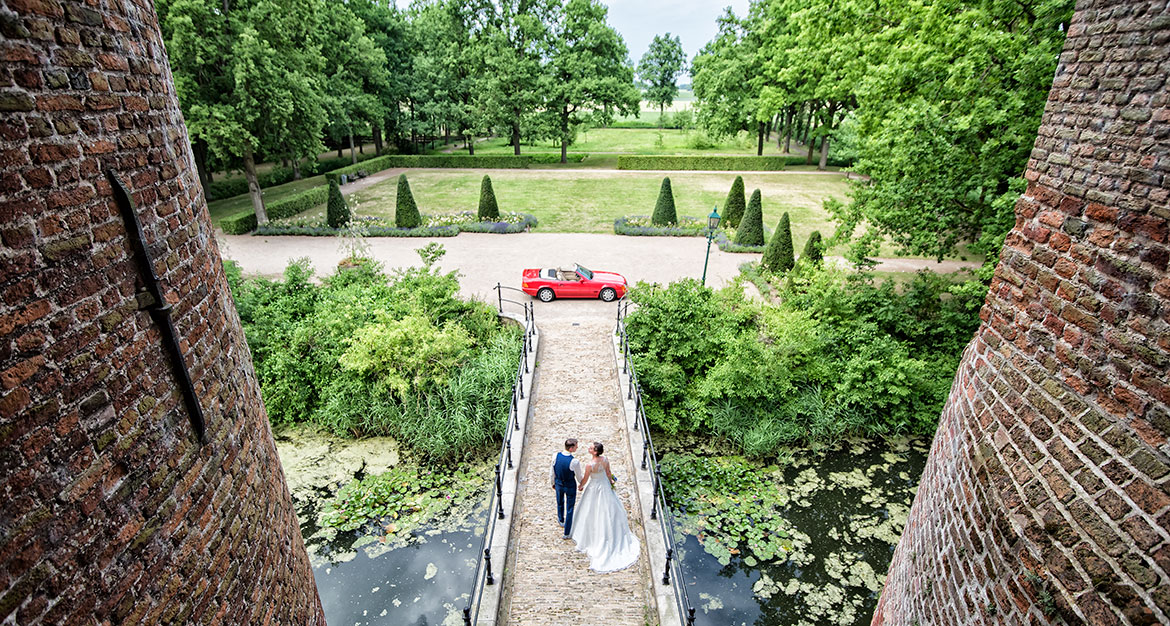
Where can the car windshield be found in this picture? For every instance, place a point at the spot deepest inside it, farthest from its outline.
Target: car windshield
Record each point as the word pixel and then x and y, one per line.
pixel 586 272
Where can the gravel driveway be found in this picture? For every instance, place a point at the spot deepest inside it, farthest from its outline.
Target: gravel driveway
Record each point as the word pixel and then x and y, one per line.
pixel 483 259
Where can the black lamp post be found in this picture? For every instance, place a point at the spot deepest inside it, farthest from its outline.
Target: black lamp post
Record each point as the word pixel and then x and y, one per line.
pixel 712 224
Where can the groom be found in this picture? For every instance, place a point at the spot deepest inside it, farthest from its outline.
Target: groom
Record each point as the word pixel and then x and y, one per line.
pixel 565 472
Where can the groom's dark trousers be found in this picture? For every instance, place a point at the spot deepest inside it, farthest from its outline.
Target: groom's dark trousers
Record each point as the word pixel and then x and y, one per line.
pixel 565 482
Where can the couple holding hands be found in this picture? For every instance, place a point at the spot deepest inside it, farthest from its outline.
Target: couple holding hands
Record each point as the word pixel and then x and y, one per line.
pixel 598 522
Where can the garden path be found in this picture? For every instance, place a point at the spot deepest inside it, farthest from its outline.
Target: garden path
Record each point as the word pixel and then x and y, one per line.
pixel 547 580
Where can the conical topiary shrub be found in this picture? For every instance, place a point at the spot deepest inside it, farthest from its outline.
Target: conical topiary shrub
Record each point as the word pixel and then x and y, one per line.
pixel 336 211
pixel 813 249
pixel 405 210
pixel 733 208
pixel 778 255
pixel 664 212
pixel 488 209
pixel 751 228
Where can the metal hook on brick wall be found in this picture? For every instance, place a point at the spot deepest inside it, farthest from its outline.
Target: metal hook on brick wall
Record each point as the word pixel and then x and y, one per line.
pixel 159 310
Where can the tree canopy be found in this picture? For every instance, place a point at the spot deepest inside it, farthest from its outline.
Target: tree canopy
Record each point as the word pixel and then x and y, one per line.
pixel 660 68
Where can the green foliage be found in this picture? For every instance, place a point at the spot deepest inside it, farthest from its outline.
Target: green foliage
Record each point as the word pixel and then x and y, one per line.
pixel 700 162
pixel 406 213
pixel 488 209
pixel 751 230
pixel 733 208
pixel 487 161
pixel 778 256
pixel 814 249
pixel 336 211
pixel 245 222
pixel 364 354
pixel 664 212
pixel 660 68
pixel 838 355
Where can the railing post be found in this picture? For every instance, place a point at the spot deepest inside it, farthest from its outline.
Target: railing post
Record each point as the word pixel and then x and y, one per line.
pixel 467 616
pixel 653 498
pixel 525 354
pixel 520 382
pixel 666 571
pixel 690 617
pixel 645 450
pixel 487 557
pixel 499 493
pixel 500 297
pixel 509 453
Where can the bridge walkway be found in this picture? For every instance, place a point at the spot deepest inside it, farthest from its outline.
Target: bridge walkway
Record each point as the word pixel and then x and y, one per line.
pixel 547 582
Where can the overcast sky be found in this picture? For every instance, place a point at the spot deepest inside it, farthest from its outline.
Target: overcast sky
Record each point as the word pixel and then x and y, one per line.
pixel 639 20
pixel 694 21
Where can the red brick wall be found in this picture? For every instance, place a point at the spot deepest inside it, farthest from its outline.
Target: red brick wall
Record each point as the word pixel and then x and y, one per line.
pixel 1046 493
pixel 112 510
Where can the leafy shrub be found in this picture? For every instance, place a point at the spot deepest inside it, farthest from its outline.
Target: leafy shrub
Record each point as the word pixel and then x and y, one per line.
pixel 697 141
pixel 751 230
pixel 734 206
pixel 488 209
pixel 405 210
pixel 364 354
pixel 778 256
pixel 814 249
pixel 642 226
pixel 702 162
pixel 837 356
pixel 664 212
pixel 337 212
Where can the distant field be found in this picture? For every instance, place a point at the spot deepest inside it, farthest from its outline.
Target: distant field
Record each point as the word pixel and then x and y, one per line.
pixel 586 201
pixel 636 141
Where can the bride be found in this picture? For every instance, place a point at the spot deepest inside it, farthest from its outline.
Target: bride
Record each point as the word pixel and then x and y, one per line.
pixel 600 526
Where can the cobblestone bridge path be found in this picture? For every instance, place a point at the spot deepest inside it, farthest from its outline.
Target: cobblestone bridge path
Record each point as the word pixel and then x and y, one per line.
pixel 547 580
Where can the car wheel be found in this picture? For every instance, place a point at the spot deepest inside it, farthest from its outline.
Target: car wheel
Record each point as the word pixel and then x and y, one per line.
pixel 546 295
pixel 608 294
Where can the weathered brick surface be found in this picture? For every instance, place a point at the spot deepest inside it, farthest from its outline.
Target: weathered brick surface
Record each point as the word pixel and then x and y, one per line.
pixel 1045 497
pixel 112 512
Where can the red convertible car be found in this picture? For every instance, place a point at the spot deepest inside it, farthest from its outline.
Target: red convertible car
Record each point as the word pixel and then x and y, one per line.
pixel 574 282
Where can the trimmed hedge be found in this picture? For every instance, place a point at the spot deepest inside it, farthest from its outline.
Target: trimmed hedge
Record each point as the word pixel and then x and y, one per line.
pixel 552 158
pixel 405 209
pixel 778 255
pixel 336 211
pixel 719 163
pixel 664 210
pixel 751 229
pixel 490 161
pixel 245 221
pixel 220 189
pixel 366 231
pixel 488 208
pixel 733 207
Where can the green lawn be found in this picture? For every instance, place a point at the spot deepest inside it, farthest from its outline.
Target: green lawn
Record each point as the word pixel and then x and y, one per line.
pixel 588 202
pixel 635 141
pixel 230 206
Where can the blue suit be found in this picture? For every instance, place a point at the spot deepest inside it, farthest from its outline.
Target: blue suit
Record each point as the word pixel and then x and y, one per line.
pixel 565 482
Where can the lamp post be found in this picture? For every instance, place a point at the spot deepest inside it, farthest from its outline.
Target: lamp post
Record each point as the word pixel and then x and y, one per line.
pixel 712 224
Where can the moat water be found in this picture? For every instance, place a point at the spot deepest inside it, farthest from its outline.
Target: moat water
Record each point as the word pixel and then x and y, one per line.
pixel 845 507
pixel 371 575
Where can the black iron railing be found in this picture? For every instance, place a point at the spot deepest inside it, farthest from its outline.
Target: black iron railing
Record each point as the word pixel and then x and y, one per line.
pixel 483 568
pixel 659 509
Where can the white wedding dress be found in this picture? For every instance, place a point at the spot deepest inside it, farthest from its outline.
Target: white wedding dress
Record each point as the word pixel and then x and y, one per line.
pixel 600 526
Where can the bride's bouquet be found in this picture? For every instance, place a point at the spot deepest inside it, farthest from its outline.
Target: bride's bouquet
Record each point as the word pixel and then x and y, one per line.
pixel 613 482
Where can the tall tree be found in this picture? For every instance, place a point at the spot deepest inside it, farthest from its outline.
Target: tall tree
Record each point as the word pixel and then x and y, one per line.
pixel 354 75
pixel 514 81
pixel 391 33
pixel 590 76
pixel 262 69
pixel 660 68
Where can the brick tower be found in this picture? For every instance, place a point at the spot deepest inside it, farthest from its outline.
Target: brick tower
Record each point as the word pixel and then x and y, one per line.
pixel 116 510
pixel 1045 496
